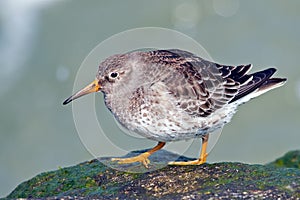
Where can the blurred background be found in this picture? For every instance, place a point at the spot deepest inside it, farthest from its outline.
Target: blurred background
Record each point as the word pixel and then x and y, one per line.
pixel 43 43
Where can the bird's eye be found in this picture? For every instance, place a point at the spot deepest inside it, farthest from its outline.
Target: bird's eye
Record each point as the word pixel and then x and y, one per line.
pixel 114 75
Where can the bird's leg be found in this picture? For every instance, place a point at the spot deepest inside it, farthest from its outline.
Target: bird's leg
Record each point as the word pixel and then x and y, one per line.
pixel 202 158
pixel 143 158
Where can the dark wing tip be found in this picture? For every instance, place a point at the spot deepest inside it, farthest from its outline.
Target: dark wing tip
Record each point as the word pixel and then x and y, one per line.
pixel 272 69
pixel 273 82
pixel 261 80
pixel 278 80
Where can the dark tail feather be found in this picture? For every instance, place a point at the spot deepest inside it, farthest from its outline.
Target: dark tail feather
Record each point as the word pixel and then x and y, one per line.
pixel 260 83
pixel 272 82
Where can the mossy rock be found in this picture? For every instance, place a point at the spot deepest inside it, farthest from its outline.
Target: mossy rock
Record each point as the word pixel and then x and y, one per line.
pixel 224 180
pixel 290 159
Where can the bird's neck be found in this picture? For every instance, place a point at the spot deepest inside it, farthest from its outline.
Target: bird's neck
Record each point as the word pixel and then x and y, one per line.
pixel 116 102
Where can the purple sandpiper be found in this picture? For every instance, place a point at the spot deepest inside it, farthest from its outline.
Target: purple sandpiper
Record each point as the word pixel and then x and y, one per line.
pixel 171 95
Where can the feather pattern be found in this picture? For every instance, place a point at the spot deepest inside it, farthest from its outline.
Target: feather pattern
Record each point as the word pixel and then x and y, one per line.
pixel 211 85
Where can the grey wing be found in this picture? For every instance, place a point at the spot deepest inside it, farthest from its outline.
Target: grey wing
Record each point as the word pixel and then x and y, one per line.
pixel 200 86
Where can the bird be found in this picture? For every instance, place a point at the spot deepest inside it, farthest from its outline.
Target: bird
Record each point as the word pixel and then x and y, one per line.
pixel 169 95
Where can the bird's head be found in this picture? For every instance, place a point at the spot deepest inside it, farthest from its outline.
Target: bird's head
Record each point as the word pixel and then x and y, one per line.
pixel 112 73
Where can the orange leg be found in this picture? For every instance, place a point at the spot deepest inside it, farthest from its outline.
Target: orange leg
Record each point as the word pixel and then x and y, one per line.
pixel 202 158
pixel 143 158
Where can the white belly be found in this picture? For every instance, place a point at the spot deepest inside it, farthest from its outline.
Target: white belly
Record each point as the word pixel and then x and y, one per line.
pixel 162 124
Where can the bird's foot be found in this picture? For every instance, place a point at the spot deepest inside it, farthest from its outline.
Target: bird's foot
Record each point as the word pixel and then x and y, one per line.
pixel 142 158
pixel 200 161
pixel 192 162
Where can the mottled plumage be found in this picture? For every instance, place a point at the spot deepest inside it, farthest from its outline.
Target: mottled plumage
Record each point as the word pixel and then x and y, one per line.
pixel 169 95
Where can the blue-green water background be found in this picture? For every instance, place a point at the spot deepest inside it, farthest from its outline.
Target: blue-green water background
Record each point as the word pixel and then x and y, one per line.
pixel 42 44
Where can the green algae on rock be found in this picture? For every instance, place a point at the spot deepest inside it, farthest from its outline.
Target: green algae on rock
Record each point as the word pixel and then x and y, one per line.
pixel 290 160
pixel 219 180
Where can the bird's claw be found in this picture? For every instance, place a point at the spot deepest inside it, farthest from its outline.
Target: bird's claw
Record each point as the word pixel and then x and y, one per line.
pixel 192 162
pixel 142 158
pixel 200 161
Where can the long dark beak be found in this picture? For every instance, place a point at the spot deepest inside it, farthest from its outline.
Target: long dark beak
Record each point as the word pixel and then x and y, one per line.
pixel 93 87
